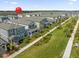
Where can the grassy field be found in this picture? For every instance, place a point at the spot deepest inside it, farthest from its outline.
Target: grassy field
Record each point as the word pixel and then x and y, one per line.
pixel 75 50
pixel 55 45
pixel 27 40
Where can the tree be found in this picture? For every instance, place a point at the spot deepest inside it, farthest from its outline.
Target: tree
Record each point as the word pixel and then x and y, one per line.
pixel 60 27
pixel 11 45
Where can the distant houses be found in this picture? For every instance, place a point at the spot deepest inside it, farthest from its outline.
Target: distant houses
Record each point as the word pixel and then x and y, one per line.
pixel 8 18
pixel 32 24
pixel 4 19
pixel 14 17
pixel 16 27
pixel 32 28
pixel 45 22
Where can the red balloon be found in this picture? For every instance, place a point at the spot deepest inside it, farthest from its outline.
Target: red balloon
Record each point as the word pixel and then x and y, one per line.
pixel 18 10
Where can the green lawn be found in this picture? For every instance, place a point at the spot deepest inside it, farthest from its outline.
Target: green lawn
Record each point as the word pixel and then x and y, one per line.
pixel 27 40
pixel 53 48
pixel 75 50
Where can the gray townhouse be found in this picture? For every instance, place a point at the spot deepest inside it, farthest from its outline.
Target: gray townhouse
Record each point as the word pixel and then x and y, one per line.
pixel 42 20
pixel 12 32
pixel 61 17
pixel 31 27
pixel 3 47
pixel 46 22
pixel 34 24
pixel 58 18
pixel 4 19
pixel 14 17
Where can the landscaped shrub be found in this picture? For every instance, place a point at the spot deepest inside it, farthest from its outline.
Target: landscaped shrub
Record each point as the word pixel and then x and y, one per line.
pixel 60 27
pixel 77 51
pixel 69 28
pixel 44 40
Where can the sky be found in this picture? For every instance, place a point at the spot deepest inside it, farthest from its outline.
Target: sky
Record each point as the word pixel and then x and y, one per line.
pixel 40 4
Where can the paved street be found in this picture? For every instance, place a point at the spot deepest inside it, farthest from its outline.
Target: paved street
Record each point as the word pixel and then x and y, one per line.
pixel 70 42
pixel 38 39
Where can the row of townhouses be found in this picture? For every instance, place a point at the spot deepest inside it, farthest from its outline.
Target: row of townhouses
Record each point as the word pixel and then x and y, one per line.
pixel 14 28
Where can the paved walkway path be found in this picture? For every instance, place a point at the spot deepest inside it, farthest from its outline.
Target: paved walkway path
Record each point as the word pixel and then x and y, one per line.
pixel 70 42
pixel 38 39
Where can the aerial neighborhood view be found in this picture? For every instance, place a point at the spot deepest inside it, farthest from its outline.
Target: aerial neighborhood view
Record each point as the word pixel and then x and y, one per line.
pixel 39 33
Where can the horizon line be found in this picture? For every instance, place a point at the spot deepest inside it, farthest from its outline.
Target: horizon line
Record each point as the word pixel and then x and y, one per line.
pixel 41 10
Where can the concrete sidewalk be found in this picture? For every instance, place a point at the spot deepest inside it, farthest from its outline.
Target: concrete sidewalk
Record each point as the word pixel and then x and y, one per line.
pixel 70 42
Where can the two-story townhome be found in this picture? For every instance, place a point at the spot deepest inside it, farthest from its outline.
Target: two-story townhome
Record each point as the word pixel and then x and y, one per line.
pixel 4 19
pixel 11 32
pixel 30 26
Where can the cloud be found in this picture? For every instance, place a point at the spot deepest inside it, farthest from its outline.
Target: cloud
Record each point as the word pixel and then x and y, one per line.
pixel 13 2
pixel 73 0
pixel 71 3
